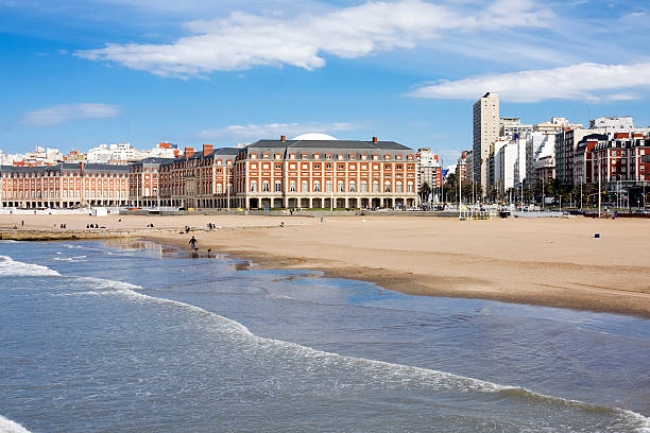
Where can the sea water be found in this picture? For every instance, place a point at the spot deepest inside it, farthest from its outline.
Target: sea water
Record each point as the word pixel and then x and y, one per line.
pixel 138 337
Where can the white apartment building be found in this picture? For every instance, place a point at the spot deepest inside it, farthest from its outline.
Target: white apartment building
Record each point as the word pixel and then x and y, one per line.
pixel 512 127
pixel 509 163
pixel 539 146
pixel 124 153
pixel 604 125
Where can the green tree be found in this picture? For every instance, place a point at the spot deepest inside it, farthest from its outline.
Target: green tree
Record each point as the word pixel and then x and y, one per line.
pixel 424 192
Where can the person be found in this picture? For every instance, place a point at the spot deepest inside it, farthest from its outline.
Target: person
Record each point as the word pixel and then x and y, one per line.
pixel 22 223
pixel 193 243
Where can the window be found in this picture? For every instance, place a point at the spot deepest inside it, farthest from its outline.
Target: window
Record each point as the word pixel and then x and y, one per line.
pixel 375 186
pixel 278 186
pixel 292 186
pixel 328 186
pixel 253 185
pixel 353 186
pixel 364 186
pixel 398 186
pixel 266 186
pixel 410 187
pixel 387 186
pixel 341 186
pixel 341 167
pixel 316 186
pixel 305 186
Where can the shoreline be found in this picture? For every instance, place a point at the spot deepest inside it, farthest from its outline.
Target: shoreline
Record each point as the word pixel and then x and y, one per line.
pixel 544 261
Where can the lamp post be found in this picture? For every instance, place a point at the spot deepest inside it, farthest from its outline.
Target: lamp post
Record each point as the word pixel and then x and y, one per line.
pixel 580 192
pixel 460 197
pixel 599 182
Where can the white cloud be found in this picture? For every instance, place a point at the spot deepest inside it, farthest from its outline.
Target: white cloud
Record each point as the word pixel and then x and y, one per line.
pixel 59 114
pixel 586 81
pixel 243 40
pixel 271 130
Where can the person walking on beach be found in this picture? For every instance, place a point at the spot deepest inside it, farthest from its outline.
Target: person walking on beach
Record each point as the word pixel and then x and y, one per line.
pixel 193 243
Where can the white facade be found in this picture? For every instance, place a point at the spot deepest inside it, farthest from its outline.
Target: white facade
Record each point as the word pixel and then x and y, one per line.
pixel 512 127
pixel 612 124
pixel 124 153
pixel 539 146
pixel 509 163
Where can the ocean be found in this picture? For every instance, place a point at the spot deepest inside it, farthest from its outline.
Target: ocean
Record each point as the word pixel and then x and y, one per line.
pixel 130 336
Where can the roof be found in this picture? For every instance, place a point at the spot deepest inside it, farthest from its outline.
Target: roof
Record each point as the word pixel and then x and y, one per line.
pixel 328 146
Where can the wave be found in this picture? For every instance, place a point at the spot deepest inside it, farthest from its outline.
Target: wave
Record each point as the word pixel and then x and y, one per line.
pixel 400 375
pixel 10 267
pixel 388 374
pixel 391 374
pixel 8 426
pixel 76 259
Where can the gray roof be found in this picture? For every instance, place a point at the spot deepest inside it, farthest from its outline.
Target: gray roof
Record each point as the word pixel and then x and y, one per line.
pixel 329 146
pixel 67 166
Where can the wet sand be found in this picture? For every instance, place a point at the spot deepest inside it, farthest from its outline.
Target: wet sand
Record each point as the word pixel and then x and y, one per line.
pixel 543 261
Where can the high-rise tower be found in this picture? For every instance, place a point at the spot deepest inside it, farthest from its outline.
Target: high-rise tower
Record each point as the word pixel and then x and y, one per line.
pixel 486 131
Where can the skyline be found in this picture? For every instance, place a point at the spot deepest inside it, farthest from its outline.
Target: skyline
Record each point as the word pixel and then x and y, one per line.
pixel 79 74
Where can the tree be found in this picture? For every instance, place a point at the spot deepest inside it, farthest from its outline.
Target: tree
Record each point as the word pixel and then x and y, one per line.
pixel 450 187
pixel 424 192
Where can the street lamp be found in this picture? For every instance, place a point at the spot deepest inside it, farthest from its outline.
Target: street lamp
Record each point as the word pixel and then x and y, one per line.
pixel 580 192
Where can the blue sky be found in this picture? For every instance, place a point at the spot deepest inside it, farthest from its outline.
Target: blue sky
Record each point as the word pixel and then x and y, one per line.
pixel 75 74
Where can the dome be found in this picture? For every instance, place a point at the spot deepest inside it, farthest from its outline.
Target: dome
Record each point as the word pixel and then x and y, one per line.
pixel 314 136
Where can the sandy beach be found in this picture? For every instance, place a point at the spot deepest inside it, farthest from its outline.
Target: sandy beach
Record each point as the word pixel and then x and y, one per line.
pixel 543 261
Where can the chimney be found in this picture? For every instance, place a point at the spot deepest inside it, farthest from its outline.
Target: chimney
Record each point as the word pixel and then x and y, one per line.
pixel 207 149
pixel 189 152
pixel 374 139
pixel 283 138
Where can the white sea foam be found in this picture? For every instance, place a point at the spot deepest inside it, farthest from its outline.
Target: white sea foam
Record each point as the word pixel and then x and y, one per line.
pixel 8 426
pixel 10 267
pixel 76 259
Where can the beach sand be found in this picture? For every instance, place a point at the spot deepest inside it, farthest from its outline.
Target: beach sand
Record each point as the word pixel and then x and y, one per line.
pixel 555 262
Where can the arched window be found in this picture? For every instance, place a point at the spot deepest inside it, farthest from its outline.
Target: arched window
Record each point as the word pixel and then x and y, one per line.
pixel 292 186
pixel 317 186
pixel 375 186
pixel 398 186
pixel 278 186
pixel 387 186
pixel 410 187
pixel 364 186
pixel 341 186
pixel 305 186
pixel 253 185
pixel 353 186
pixel 266 186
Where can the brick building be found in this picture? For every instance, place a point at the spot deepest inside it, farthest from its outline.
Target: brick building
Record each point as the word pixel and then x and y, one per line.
pixel 64 185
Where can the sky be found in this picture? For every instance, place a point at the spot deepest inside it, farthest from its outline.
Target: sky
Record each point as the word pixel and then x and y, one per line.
pixel 75 74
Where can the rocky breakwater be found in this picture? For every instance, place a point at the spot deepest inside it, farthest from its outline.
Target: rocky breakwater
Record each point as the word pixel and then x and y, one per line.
pixel 72 234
